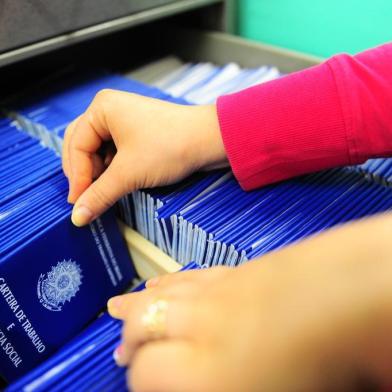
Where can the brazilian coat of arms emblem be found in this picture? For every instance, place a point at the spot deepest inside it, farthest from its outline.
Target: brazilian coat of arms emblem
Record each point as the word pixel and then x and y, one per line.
pixel 59 285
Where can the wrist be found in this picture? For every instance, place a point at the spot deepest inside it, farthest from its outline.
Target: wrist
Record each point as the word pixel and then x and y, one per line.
pixel 207 140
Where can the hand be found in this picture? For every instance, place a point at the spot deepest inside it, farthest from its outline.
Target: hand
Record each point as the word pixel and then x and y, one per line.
pixel 316 316
pixel 154 143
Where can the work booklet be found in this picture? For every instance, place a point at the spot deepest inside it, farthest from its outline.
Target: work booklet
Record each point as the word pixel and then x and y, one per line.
pixel 55 278
pixel 86 363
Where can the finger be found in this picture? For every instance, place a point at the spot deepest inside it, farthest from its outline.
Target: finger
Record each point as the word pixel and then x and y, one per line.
pixel 203 275
pixel 65 148
pixel 174 320
pixel 87 136
pixel 99 195
pixel 165 366
pixel 178 324
pixel 122 305
pixel 84 143
pixel 98 168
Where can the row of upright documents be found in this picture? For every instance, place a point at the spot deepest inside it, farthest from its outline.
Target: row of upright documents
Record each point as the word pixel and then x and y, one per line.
pixel 86 363
pixel 55 279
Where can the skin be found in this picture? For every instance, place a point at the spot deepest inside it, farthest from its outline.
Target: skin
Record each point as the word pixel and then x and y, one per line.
pixel 313 316
pixel 156 143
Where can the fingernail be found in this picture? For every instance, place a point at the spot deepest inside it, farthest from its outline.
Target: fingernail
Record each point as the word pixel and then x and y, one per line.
pixel 152 282
pixel 114 305
pixel 81 215
pixel 117 355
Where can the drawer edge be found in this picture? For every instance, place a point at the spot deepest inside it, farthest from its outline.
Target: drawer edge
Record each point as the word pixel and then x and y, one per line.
pixel 221 48
pixel 149 260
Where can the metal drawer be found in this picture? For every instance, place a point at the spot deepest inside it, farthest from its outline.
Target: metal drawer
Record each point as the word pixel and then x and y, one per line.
pixel 133 47
pixel 222 48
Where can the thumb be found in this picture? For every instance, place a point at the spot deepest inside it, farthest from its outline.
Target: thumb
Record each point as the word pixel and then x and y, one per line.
pixel 100 195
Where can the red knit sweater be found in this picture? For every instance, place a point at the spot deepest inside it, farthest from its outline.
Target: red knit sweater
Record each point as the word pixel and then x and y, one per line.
pixel 336 113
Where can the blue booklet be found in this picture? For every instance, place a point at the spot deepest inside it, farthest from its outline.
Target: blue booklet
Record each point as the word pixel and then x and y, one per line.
pixel 86 363
pixel 53 285
pixel 207 218
pixel 54 278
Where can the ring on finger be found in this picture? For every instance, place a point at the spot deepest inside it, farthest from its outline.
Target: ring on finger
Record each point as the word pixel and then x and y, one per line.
pixel 154 319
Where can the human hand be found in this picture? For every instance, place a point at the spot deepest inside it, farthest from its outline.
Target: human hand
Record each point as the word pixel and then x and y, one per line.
pixel 315 316
pixel 155 143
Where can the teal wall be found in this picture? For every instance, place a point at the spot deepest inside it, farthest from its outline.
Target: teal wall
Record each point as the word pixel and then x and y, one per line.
pixel 320 27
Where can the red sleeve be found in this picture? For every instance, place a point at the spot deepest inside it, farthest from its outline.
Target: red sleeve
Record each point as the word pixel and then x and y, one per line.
pixel 337 113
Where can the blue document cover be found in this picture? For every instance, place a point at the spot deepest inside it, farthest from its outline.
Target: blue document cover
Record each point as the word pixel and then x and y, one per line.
pixel 53 285
pixel 207 218
pixel 86 363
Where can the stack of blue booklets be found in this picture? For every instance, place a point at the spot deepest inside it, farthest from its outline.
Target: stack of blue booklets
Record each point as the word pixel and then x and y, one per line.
pixel 206 218
pixel 84 364
pixel 378 170
pixel 211 220
pixel 46 114
pixel 219 224
pixel 54 277
pixel 203 83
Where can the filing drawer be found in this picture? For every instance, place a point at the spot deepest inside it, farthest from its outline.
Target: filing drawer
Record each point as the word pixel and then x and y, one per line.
pixel 219 48
pixel 137 39
pixel 161 39
pixel 222 48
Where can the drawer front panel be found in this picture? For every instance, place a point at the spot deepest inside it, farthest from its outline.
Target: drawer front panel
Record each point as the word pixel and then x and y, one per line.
pixel 23 22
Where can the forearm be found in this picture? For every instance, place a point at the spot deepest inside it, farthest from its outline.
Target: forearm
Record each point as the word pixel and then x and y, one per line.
pixel 337 113
pixel 338 301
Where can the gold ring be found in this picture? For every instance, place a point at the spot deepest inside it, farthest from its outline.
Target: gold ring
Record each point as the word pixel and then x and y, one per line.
pixel 154 319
